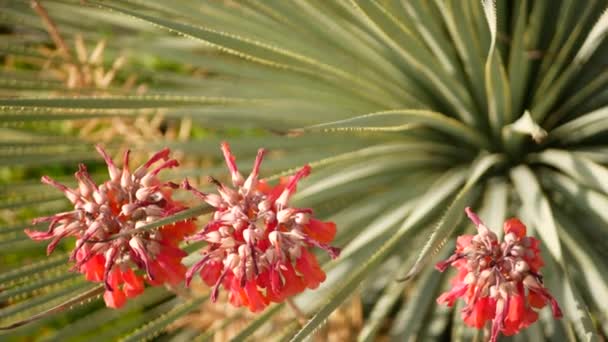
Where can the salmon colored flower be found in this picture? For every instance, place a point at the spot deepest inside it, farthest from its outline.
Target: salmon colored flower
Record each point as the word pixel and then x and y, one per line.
pixel 499 281
pixel 130 199
pixel 258 247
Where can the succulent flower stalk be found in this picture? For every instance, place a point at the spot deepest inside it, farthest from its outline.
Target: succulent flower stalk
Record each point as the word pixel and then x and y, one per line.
pixel 499 281
pixel 258 246
pixel 130 199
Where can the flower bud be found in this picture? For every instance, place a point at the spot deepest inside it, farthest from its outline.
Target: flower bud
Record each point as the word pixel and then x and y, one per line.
pixel 264 206
pixel 284 215
pixel 247 236
pixel 213 237
pixel 510 238
pixel 232 260
pixel 517 251
pixel 274 238
pixel 302 218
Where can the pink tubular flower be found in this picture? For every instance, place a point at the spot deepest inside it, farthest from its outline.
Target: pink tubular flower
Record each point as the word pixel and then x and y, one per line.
pixel 499 282
pixel 258 246
pixel 127 201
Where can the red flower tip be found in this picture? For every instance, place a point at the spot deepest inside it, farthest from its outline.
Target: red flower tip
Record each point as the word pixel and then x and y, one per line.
pixel 499 281
pixel 123 285
pixel 258 246
pixel 127 201
pixel 323 232
pixel 114 299
pixel 443 265
pixel 515 226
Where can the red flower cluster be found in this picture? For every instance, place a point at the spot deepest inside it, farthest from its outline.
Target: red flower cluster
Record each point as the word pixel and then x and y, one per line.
pixel 499 282
pixel 258 246
pixel 127 201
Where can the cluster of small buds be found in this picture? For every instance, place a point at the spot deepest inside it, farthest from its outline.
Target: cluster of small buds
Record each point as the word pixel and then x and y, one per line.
pixel 127 201
pixel 258 246
pixel 499 281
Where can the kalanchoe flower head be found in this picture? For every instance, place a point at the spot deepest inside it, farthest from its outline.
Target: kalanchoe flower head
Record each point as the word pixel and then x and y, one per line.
pixel 257 245
pixel 499 281
pixel 130 199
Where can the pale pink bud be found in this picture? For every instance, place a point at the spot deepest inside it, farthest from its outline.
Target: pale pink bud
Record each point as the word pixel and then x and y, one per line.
pixel 128 208
pixel 99 196
pixel 302 218
pixel 214 200
pixel 252 180
pixel 264 206
pixel 273 237
pixel 213 237
pixel 112 169
pixel 232 260
pixel 247 236
pixel 285 215
pixel 228 242
pixel 237 179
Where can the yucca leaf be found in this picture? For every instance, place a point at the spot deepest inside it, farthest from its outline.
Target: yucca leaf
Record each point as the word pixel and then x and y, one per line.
pixel 397 120
pixel 37 285
pixel 378 227
pixel 383 306
pixel 464 37
pixel 344 289
pixel 17 203
pixel 98 318
pixel 583 127
pixel 571 303
pixel 255 324
pixel 19 115
pixel 351 176
pixel 153 328
pixel 45 159
pixel 595 37
pixel 126 325
pixel 429 27
pixel 119 102
pixel 564 42
pixel 534 201
pixel 542 105
pixel 27 309
pixel 251 50
pixel 92 293
pixel 361 224
pixel 494 204
pixel 454 213
pixel 594 270
pixel 347 287
pixel 396 36
pixel 411 317
pixel 591 202
pixel 579 168
pixel 378 151
pixel 567 14
pixel 519 66
pixel 498 90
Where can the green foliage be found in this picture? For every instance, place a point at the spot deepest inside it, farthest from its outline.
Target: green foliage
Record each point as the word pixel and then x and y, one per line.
pixel 407 111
